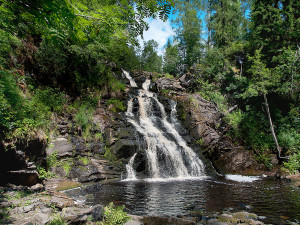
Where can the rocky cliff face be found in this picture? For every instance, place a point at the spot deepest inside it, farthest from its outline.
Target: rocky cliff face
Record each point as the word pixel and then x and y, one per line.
pixel 106 157
pixel 206 127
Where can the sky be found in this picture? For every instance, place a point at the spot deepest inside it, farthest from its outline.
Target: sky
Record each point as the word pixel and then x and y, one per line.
pixel 159 31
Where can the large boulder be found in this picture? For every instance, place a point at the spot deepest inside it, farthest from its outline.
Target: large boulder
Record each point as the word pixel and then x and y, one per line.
pixel 207 130
pixel 61 146
pixel 168 84
pixel 23 157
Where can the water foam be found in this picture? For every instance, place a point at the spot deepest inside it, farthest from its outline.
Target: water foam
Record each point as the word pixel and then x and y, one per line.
pixel 241 178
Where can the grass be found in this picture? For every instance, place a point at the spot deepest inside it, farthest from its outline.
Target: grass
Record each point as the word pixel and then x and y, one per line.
pixel 116 105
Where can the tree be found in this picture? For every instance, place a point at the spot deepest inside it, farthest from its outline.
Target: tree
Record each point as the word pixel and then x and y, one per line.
pixel 262 82
pixel 188 32
pixel 225 22
pixel 171 59
pixel 150 60
pixel 275 24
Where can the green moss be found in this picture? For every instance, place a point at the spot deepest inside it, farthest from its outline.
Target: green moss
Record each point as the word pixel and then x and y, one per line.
pixel 109 155
pixel 84 160
pixel 200 141
pixel 98 137
pixel 116 105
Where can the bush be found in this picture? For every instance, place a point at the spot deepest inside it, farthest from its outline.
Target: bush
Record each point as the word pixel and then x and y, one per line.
pixel 109 155
pixel 114 215
pixel 7 45
pixel 20 115
pixel 116 105
pixel 83 116
pixel 293 164
pixel 51 98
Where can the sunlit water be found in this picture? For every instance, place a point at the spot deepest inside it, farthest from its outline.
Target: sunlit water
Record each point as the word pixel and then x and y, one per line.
pixel 277 200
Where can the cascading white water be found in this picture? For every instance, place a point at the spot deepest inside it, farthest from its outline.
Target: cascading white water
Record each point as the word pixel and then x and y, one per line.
pixel 132 82
pixel 168 154
pixel 129 168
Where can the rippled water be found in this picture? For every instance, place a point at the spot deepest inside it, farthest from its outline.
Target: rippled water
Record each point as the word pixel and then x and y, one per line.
pixel 277 200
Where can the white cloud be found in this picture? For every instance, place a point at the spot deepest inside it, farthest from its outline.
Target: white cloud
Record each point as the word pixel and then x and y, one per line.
pixel 159 31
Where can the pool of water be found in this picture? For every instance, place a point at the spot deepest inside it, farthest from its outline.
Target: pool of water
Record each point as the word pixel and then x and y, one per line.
pixel 277 200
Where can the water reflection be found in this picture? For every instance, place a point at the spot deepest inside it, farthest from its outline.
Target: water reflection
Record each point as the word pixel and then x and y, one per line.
pixel 273 199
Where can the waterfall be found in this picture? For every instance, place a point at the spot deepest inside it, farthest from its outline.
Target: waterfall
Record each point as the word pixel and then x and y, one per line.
pixel 132 82
pixel 168 154
pixel 129 168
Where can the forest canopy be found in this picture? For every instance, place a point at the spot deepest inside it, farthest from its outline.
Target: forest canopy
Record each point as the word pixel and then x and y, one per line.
pixel 243 55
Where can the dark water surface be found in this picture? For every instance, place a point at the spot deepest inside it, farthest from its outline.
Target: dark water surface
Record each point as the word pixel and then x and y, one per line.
pixel 277 200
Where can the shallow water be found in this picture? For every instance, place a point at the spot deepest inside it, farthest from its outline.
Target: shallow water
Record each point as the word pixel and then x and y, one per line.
pixel 277 200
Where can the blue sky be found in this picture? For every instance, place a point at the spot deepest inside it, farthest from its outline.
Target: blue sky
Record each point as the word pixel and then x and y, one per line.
pixel 161 31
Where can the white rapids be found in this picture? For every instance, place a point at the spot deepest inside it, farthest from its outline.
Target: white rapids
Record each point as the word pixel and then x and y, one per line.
pixel 168 154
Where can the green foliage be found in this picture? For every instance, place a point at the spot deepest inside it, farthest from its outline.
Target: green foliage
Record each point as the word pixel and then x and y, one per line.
pixel 293 164
pixel 116 105
pixel 211 93
pixel 109 155
pixel 57 220
pixel 234 119
pixel 262 79
pixel 114 215
pixel 43 174
pixel 211 67
pixel 7 45
pixel 165 91
pixel 162 75
pixel 275 25
pixel 83 118
pixel 67 165
pixel 150 60
pixel 225 21
pixel 254 129
pixel 22 116
pixel 171 59
pixel 188 32
pixel 264 159
pixel 52 160
pixel 84 160
pixel 200 141
pixel 52 98
pixel 98 137
pixel 116 85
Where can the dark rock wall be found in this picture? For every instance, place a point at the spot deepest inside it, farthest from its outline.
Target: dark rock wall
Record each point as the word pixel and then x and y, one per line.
pixel 206 128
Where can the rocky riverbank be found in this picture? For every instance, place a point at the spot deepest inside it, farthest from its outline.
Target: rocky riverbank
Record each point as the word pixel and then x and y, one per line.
pixel 43 204
pixel 46 204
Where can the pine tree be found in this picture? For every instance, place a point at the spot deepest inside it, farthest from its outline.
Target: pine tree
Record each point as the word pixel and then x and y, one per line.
pixel 171 59
pixel 188 32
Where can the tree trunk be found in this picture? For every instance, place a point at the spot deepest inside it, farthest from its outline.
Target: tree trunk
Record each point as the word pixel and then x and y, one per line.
pixel 271 126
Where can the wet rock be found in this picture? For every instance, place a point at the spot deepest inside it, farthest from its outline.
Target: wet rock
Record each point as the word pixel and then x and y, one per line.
pixel 204 123
pixel 274 160
pixel 237 160
pixel 225 217
pixel 124 148
pixel 95 170
pixel 154 220
pixel 62 202
pixel 61 146
pixel 110 136
pixel 169 84
pixel 23 177
pixel 134 220
pixel 79 215
pixel 294 177
pixel 244 216
pixel 28 208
